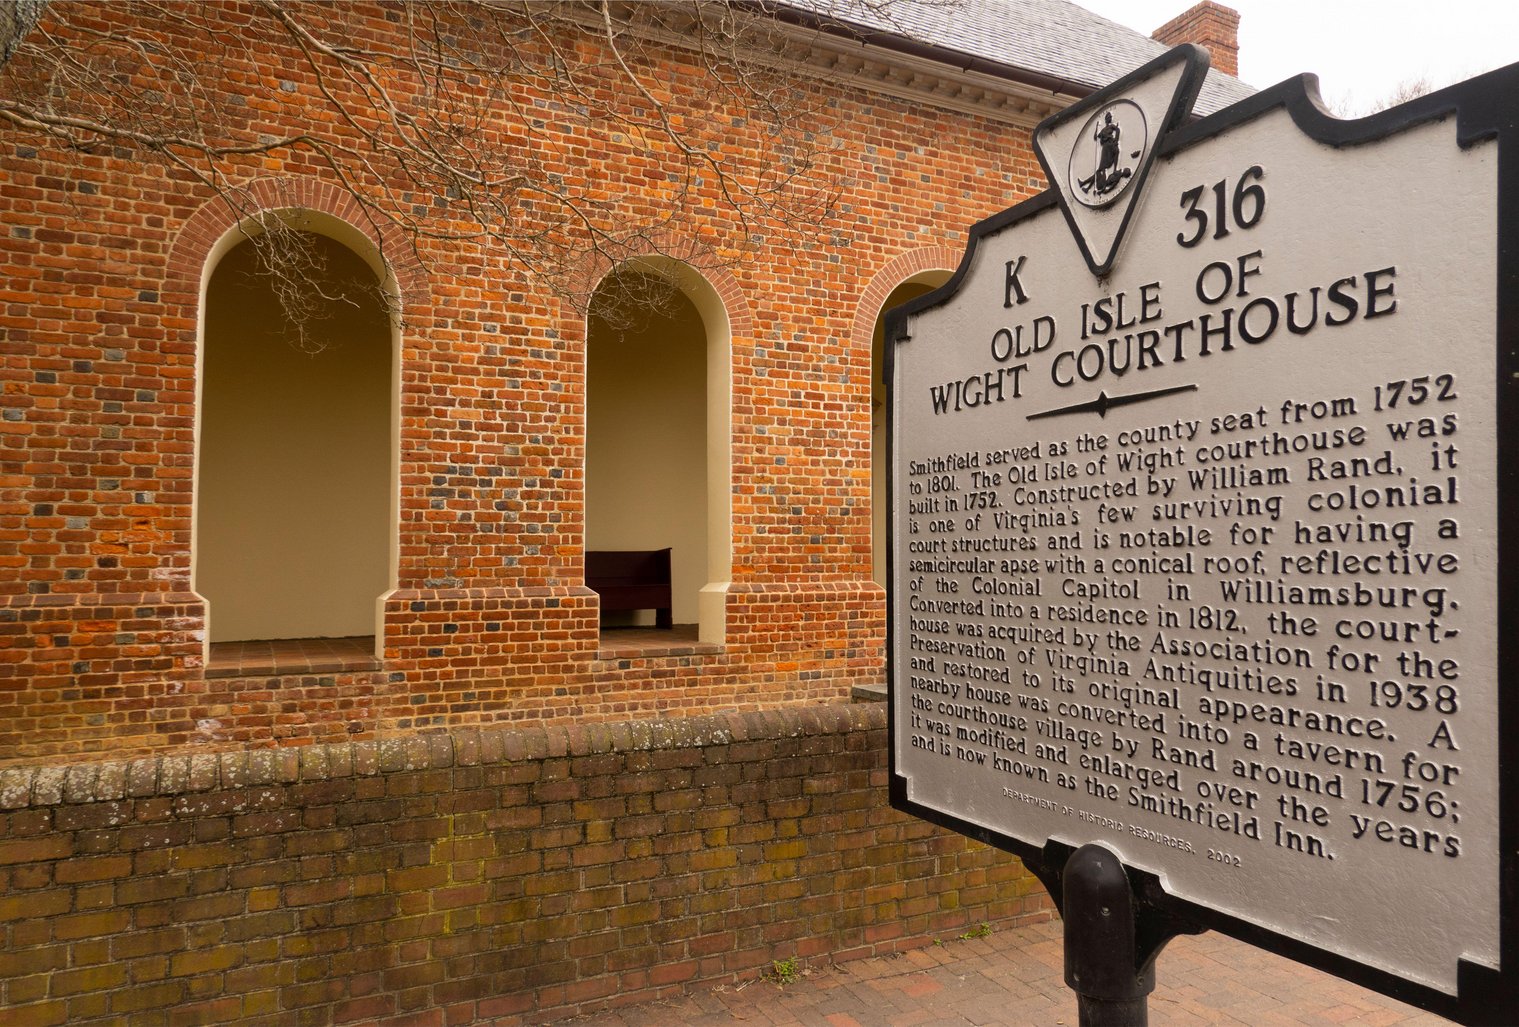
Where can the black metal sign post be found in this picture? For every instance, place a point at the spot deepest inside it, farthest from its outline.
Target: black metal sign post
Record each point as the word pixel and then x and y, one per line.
pixel 1113 933
pixel 1203 479
pixel 1112 979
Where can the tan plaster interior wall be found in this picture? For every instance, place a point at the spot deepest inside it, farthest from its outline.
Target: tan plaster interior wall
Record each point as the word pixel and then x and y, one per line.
pixel 646 433
pixel 293 518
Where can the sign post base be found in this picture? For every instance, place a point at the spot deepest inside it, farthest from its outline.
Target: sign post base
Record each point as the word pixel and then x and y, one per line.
pixel 1112 937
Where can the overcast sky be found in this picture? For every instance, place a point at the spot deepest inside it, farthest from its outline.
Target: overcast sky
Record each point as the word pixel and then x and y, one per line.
pixel 1361 50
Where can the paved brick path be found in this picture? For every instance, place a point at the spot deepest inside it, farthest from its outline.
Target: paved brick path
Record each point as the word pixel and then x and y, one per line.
pixel 1014 978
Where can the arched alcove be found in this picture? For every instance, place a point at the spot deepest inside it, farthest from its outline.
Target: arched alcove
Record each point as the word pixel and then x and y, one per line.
pixel 919 284
pixel 658 409
pixel 296 494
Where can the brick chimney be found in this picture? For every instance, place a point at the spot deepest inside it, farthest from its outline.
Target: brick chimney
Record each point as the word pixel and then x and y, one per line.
pixel 1211 26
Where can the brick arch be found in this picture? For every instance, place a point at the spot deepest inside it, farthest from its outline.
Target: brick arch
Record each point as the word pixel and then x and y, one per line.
pixel 716 292
pixel 896 271
pixel 213 230
pixel 208 226
pixel 683 251
pixel 725 283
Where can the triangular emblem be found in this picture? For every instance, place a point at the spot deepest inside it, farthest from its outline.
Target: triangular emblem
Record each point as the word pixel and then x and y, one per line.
pixel 1098 153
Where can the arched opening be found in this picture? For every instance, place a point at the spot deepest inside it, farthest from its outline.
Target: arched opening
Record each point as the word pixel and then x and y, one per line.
pixel 657 448
pixel 296 490
pixel 911 289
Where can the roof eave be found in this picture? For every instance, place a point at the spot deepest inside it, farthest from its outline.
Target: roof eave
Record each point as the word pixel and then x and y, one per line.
pixel 910 47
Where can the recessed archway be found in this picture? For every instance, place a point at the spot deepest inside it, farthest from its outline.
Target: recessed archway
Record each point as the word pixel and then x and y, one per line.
pixel 658 410
pixel 296 494
pixel 910 289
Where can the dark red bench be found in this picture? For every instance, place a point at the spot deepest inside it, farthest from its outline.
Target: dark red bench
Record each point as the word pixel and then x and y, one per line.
pixel 635 579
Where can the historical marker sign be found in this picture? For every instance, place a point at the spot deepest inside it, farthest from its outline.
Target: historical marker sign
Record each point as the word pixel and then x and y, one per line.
pixel 1199 472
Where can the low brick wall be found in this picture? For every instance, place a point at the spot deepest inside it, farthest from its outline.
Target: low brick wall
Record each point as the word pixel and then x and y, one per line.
pixel 480 873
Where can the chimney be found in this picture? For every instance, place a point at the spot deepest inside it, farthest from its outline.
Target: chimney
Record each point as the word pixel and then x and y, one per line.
pixel 1211 26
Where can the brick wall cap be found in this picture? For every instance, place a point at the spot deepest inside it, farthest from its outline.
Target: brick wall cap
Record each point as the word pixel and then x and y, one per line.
pixel 79 785
pixel 47 786
pixel 205 772
pixel 171 775
pixel 16 787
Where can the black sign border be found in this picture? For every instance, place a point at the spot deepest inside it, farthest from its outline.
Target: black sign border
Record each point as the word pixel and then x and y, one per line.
pixel 1486 108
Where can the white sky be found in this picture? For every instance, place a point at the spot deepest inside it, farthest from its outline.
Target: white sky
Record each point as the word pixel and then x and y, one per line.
pixel 1361 50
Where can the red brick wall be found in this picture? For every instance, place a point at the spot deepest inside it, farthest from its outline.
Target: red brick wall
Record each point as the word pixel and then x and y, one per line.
pixel 470 874
pixel 101 264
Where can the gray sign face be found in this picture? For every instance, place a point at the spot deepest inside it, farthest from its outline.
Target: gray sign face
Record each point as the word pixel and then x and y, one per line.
pixel 1199 559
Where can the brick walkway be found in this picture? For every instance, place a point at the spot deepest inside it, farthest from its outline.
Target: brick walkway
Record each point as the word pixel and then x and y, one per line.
pixel 1014 978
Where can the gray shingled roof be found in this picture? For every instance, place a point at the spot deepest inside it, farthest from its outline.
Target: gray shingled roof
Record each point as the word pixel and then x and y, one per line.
pixel 1053 38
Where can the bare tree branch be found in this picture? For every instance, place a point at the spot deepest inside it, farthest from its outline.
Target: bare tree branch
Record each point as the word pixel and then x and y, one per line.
pixel 452 121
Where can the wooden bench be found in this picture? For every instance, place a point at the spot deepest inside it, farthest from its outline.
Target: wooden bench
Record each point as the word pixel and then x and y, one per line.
pixel 637 579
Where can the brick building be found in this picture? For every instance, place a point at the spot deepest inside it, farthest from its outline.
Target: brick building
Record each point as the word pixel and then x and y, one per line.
pixel 177 491
pixel 222 534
